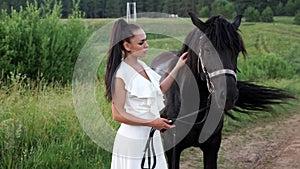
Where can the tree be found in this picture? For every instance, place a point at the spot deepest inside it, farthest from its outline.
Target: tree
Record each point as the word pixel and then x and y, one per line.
pixel 290 8
pixel 166 6
pixel 204 12
pixel 117 8
pixel 241 5
pixel 279 10
pixel 112 9
pixel 92 8
pixel 297 6
pixel 223 7
pixel 67 8
pixel 267 15
pixel 251 14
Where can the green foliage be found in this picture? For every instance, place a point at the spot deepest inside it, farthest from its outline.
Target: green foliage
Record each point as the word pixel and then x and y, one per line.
pixel 252 15
pixel 223 7
pixel 204 12
pixel 279 10
pixel 293 57
pixel 267 15
pixel 265 67
pixel 117 8
pixel 36 42
pixel 290 8
pixel 297 18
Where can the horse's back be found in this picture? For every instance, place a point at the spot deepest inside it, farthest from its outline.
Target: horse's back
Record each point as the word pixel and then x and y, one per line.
pixel 161 64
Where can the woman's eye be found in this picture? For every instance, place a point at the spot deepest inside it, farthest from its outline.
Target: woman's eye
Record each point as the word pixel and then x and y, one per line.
pixel 142 42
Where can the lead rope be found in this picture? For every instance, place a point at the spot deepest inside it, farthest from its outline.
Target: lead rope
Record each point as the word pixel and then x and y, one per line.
pixel 148 148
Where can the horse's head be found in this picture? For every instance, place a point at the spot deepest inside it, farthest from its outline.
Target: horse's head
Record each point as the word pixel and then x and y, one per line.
pixel 213 48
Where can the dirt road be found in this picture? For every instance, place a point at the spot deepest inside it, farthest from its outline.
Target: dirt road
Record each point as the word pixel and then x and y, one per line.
pixel 275 145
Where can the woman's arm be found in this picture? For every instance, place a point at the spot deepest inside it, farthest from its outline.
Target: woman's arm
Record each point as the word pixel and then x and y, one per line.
pixel 168 81
pixel 120 115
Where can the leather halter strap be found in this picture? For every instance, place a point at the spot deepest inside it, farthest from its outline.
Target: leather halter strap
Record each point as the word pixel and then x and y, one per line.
pixel 208 75
pixel 222 71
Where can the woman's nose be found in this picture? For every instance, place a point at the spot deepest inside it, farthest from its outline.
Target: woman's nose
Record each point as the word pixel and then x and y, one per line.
pixel 146 45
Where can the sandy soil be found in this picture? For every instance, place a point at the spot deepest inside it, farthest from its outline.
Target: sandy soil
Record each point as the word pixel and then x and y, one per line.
pixel 275 145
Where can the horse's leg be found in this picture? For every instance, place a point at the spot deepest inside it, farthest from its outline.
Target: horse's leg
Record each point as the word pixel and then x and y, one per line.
pixel 173 157
pixel 210 150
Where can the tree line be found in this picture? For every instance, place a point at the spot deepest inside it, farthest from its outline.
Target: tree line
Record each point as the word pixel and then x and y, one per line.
pixel 117 8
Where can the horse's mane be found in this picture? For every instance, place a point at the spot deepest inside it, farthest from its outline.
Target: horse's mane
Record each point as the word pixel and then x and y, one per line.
pixel 223 35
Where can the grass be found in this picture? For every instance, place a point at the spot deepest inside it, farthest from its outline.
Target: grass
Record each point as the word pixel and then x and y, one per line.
pixel 40 129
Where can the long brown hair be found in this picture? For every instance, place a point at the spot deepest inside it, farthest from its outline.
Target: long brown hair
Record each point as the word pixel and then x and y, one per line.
pixel 121 32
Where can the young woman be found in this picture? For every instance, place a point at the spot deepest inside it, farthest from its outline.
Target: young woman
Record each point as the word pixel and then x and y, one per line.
pixel 137 97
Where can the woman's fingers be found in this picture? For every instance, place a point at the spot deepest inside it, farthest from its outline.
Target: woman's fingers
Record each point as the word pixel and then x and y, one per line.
pixel 182 60
pixel 183 56
pixel 162 123
pixel 167 124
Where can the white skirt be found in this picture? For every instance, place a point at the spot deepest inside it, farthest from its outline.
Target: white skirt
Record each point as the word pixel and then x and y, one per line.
pixel 129 148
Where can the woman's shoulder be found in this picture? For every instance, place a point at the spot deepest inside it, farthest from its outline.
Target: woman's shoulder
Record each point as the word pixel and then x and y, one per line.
pixel 125 72
pixel 121 70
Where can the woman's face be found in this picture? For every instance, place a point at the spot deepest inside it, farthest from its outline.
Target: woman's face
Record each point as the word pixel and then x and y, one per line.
pixel 138 45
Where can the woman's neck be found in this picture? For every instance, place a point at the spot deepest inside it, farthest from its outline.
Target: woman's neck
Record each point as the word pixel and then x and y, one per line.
pixel 133 62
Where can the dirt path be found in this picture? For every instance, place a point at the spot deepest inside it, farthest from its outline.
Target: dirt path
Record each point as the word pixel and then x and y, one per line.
pixel 275 145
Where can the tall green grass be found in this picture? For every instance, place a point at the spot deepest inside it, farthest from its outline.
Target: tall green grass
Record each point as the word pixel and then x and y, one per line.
pixel 268 66
pixel 39 128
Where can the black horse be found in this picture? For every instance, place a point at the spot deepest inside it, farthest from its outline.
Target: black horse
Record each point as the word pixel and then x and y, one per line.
pixel 207 88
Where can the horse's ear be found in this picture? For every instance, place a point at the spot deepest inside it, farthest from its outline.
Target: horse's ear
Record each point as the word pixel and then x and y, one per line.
pixel 197 22
pixel 237 21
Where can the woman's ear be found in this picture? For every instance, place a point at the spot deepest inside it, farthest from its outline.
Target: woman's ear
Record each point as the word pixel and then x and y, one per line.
pixel 127 46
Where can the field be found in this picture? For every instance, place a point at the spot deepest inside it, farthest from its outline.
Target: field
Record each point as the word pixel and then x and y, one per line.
pixel 39 127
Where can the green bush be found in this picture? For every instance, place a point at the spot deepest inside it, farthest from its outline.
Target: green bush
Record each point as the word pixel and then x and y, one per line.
pixel 267 15
pixel 36 42
pixel 297 18
pixel 293 56
pixel 252 15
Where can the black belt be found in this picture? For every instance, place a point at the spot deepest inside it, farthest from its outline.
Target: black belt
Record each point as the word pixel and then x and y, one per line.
pixel 149 149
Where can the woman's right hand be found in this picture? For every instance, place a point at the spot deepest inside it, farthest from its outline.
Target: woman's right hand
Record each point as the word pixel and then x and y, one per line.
pixel 182 59
pixel 161 123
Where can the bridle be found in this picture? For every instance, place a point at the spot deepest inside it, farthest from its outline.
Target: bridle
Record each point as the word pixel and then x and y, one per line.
pixel 209 76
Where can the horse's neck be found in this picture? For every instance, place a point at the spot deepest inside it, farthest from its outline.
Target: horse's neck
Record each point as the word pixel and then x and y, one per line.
pixel 203 93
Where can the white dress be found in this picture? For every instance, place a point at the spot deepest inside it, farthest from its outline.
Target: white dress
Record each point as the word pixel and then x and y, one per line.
pixel 144 99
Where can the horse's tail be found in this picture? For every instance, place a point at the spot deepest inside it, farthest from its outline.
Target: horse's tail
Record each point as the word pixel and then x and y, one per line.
pixel 257 98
